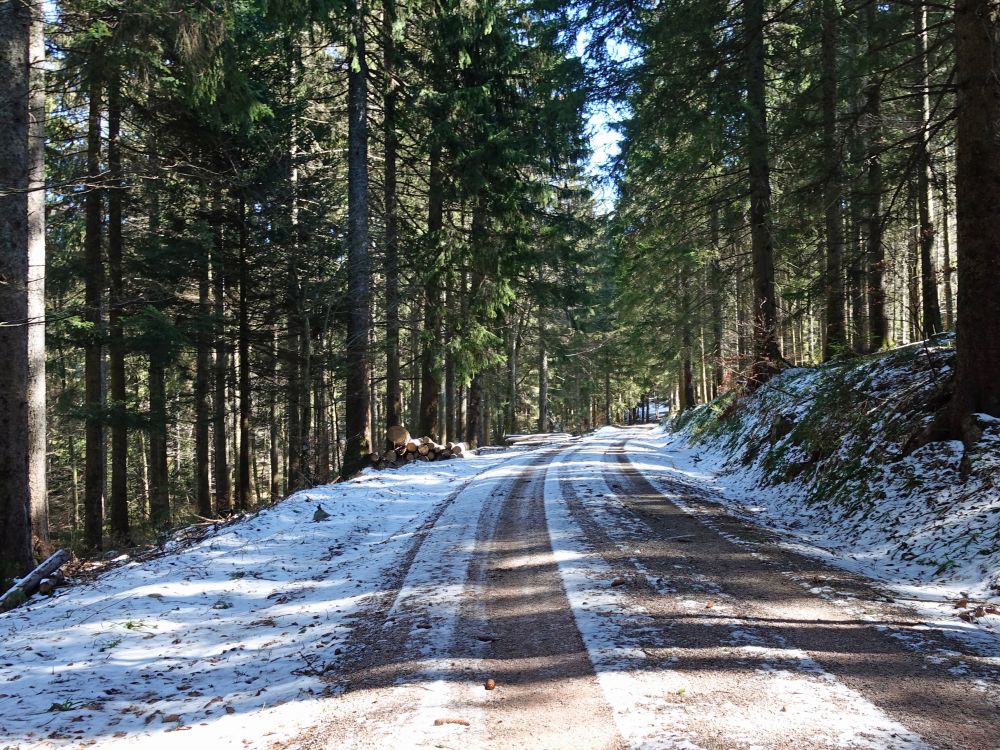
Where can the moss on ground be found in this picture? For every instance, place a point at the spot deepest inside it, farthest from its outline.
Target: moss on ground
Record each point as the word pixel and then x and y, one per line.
pixel 832 428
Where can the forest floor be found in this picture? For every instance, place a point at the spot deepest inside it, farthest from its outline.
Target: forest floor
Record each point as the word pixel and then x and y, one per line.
pixel 609 592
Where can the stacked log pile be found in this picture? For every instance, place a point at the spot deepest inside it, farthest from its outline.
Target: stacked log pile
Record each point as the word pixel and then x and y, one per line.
pixel 406 450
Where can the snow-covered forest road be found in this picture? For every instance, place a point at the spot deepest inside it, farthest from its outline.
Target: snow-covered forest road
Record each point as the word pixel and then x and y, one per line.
pixel 609 598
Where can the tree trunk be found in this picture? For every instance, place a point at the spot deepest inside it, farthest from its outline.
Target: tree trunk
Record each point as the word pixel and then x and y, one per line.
pixel 925 205
pixel 202 377
pixel 878 324
pixel 223 500
pixel 117 408
pixel 474 413
pixel 274 459
pixel 687 374
pixel 357 396
pixel 449 360
pixel 430 375
pixel 511 416
pixel 835 341
pixel 947 271
pixel 23 506
pixel 716 282
pixel 414 405
pixel 305 393
pixel 94 471
pixel 543 377
pixel 159 476
pixel 765 316
pixel 912 266
pixel 393 391
pixel 607 394
pixel 243 475
pixel 977 195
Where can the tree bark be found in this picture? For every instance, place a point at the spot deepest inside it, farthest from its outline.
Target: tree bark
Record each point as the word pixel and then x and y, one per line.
pixel 272 419
pixel 947 270
pixel 94 471
pixel 393 391
pixel 430 366
pixel 474 413
pixel 688 398
pixel 202 405
pixel 716 282
pixel 878 324
pixel 159 475
pixel 223 499
pixel 765 314
pixel 835 340
pixel 925 204
pixel 449 360
pixel 357 396
pixel 22 271
pixel 543 376
pixel 243 474
pixel 977 195
pixel 512 352
pixel 117 409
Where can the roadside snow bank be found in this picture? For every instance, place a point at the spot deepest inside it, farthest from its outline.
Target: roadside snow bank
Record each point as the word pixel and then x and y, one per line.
pixel 819 455
pixel 226 639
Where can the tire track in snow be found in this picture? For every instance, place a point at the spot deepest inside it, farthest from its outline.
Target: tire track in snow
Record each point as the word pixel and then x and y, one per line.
pixel 861 652
pixel 401 671
pixel 673 679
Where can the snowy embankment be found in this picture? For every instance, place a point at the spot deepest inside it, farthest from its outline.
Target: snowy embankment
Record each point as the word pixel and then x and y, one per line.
pixel 820 456
pixel 227 639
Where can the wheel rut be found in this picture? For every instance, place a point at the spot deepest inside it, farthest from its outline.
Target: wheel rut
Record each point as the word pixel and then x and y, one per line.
pixel 474 598
pixel 735 597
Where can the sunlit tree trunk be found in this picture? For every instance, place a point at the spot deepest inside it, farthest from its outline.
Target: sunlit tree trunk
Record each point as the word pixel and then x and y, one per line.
pixel 23 505
pixel 357 396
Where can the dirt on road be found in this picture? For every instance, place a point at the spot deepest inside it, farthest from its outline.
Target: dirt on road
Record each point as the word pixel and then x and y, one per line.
pixel 735 641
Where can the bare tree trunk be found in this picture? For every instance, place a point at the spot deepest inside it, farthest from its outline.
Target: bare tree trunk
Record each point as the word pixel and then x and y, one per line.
pixel 202 377
pixel 22 274
pixel 607 394
pixel 835 340
pixel 912 265
pixel 511 416
pixel 430 376
pixel 947 271
pixel 878 324
pixel 543 376
pixel 449 360
pixel 94 471
pixel 925 205
pixel 393 391
pixel 414 378
pixel 977 195
pixel 272 420
pixel 765 315
pixel 688 398
pixel 305 394
pixel 243 475
pixel 223 500
pixel 717 290
pixel 159 475
pixel 358 396
pixel 118 408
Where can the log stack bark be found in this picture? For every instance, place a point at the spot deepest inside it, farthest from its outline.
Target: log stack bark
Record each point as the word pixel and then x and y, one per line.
pixel 408 449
